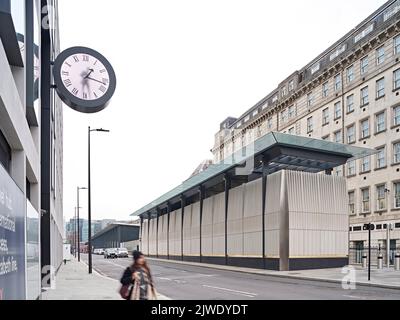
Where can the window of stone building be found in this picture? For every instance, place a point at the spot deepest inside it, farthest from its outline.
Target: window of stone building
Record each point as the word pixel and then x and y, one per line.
pixel 351 168
pixel 352 200
pixel 396 79
pixel 325 89
pixel 396 115
pixel 396 153
pixel 364 96
pixel 380 55
pixel 338 136
pixel 380 88
pixel 364 65
pixel 380 120
pixel 396 194
pixel 325 116
pixel 338 110
pixel 310 99
pixel 291 85
pixel 291 112
pixel 381 197
pixel 365 205
pixel 350 74
pixel 365 164
pixel 364 126
pixel 351 134
pixel 381 158
pixel 310 125
pixel 396 45
pixel 350 103
pixel 338 82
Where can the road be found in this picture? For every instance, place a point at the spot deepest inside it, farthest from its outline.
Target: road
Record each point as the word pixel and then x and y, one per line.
pixel 184 282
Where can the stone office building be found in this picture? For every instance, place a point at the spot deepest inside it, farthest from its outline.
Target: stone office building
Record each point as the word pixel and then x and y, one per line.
pixel 31 217
pixel 349 94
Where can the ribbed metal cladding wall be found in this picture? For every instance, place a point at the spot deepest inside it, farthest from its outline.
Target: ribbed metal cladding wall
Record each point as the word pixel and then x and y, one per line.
pixel 177 242
pixel 218 232
pixel 187 229
pixel 235 221
pixel 252 219
pixel 145 237
pixel 172 233
pixel 272 215
pixel 318 215
pixel 207 227
pixel 195 230
pixel 153 237
pixel 305 217
pixel 162 235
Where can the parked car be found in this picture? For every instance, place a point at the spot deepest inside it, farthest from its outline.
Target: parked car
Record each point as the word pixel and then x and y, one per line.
pixel 122 252
pixel 101 251
pixel 110 253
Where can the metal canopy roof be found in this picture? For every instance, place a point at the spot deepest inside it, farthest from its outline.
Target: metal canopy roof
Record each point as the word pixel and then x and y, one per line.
pixel 282 151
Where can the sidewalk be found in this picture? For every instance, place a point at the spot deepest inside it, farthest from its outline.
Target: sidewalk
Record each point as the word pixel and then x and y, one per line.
pixel 74 283
pixel 385 278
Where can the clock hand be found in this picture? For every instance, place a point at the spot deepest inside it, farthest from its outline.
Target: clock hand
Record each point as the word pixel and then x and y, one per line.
pixel 96 80
pixel 87 76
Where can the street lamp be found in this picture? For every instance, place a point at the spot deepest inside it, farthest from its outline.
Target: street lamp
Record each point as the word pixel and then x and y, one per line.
pixel 78 207
pixel 77 237
pixel 90 200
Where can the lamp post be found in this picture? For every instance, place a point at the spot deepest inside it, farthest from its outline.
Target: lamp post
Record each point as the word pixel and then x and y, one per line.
pixel 74 233
pixel 90 201
pixel 77 210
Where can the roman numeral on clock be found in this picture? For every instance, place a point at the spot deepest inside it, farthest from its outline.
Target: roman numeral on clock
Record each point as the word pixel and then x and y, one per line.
pixel 65 73
pixel 103 89
pixel 85 95
pixel 85 58
pixel 76 58
pixel 102 70
pixel 67 83
pixel 75 91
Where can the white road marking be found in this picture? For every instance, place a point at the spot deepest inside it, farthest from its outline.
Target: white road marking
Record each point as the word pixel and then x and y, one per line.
pixel 243 293
pixel 187 277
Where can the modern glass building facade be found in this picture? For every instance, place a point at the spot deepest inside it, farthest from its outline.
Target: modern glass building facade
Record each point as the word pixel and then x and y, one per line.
pixel 31 225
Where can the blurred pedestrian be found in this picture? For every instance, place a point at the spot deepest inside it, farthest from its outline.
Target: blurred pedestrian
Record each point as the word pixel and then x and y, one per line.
pixel 137 282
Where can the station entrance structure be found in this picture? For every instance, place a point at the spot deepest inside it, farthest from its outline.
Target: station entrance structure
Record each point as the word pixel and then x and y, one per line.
pixel 274 205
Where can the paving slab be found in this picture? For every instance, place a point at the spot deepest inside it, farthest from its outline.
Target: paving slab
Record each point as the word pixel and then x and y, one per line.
pixel 73 282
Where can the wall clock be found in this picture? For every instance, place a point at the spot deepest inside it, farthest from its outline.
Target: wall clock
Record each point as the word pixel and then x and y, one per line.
pixel 84 79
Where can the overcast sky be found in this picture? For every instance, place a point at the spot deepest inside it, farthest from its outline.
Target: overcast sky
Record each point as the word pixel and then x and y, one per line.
pixel 182 68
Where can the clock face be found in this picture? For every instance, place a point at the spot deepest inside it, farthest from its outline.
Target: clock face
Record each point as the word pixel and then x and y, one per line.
pixel 84 79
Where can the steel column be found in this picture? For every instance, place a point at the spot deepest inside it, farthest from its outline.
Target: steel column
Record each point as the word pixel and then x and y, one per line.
pixel 168 220
pixel 202 194
pixel 264 196
pixel 227 179
pixel 183 205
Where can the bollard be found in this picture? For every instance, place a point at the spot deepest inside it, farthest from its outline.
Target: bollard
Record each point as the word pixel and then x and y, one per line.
pixel 397 262
pixel 380 261
pixel 364 261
